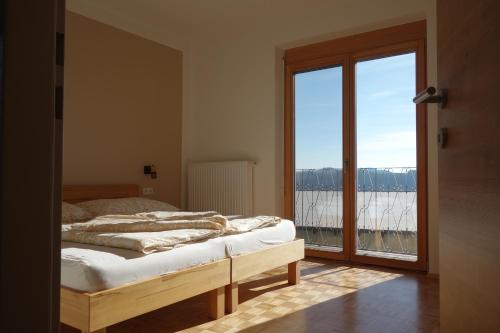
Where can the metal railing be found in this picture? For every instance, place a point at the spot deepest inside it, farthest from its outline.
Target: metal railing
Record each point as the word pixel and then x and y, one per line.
pixel 385 208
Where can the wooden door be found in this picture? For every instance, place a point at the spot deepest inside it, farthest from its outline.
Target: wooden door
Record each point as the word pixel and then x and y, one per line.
pixel 469 167
pixel 30 176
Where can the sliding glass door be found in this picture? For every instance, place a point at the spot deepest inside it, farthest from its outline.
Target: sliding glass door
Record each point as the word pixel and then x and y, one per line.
pixel 355 150
pixel 319 158
pixel 386 157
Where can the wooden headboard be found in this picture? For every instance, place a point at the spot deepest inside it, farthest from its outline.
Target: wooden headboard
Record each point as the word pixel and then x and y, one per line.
pixel 79 193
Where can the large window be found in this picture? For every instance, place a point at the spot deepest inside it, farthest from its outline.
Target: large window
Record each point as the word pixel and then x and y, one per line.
pixel 355 147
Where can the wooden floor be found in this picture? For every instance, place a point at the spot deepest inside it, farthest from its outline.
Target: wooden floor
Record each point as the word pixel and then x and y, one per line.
pixel 330 298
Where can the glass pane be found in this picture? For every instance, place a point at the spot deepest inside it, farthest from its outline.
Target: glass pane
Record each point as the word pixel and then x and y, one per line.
pixel 318 157
pixel 386 205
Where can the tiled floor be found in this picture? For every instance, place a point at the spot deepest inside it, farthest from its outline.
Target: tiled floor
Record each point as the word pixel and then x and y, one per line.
pixel 330 298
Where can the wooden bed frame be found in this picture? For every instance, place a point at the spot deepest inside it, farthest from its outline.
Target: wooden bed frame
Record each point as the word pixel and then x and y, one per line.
pixel 254 263
pixel 93 312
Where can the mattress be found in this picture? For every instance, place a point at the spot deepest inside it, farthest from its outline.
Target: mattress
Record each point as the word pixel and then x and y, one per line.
pixel 92 268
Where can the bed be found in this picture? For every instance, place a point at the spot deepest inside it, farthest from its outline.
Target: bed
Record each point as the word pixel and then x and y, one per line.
pixel 93 299
pixel 94 311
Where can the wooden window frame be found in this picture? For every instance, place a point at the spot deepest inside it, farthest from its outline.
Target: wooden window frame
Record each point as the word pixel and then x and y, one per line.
pixel 346 52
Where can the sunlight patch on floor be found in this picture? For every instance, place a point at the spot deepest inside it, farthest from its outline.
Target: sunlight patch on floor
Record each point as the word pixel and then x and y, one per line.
pixel 282 299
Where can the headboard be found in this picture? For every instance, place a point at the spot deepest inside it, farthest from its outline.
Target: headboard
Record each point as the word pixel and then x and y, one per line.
pixel 79 193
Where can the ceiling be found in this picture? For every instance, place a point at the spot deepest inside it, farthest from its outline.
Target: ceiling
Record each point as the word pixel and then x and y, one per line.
pixel 178 23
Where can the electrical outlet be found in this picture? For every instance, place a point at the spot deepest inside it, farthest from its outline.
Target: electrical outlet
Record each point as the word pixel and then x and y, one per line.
pixel 148 191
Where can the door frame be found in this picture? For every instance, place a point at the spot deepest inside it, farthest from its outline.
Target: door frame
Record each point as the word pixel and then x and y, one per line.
pixel 30 172
pixel 347 51
pixel 289 202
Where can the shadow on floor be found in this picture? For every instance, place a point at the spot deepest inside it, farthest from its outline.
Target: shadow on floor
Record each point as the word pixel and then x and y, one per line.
pixel 405 304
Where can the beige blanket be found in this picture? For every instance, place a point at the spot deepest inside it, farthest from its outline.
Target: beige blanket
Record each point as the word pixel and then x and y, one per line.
pixel 146 233
pixel 238 226
pixel 158 231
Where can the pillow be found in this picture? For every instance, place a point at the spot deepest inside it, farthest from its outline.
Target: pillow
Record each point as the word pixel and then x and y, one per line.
pixel 125 206
pixel 71 213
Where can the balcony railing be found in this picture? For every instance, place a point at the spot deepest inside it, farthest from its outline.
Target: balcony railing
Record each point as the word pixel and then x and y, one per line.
pixel 385 208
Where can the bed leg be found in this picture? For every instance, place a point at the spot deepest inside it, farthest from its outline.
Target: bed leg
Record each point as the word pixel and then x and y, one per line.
pixel 232 297
pixel 294 272
pixel 216 303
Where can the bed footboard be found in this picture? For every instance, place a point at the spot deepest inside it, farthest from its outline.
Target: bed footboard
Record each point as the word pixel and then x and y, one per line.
pixel 247 265
pixel 92 312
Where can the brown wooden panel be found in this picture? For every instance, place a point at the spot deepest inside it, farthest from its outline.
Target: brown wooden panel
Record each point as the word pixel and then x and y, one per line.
pixel 325 254
pixel 30 174
pixel 289 147
pixel 356 43
pixel 469 167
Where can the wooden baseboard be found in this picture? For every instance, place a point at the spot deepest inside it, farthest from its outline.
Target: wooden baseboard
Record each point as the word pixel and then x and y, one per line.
pixel 335 255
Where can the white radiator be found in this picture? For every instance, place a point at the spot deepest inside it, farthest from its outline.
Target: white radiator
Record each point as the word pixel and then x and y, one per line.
pixel 226 187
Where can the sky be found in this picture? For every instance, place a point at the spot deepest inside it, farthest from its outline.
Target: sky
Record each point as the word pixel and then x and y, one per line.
pixel 385 115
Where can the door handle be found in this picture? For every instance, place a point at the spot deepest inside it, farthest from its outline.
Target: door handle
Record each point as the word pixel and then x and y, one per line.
pixel 432 95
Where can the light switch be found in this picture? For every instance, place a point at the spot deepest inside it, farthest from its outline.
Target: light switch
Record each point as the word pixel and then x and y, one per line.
pixel 148 191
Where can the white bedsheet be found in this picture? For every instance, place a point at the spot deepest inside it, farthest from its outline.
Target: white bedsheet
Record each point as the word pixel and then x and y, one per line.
pixel 92 268
pixel 259 239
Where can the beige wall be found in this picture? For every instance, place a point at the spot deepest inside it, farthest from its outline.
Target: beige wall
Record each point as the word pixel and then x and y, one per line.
pixel 123 108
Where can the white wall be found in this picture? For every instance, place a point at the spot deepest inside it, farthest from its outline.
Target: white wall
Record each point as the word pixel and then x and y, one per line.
pixel 232 106
pixel 237 98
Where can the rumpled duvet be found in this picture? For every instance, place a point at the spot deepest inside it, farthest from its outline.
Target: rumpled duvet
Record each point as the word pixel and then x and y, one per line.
pixel 159 231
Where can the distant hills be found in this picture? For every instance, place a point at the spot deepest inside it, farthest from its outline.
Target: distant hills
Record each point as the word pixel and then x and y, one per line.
pixel 368 180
